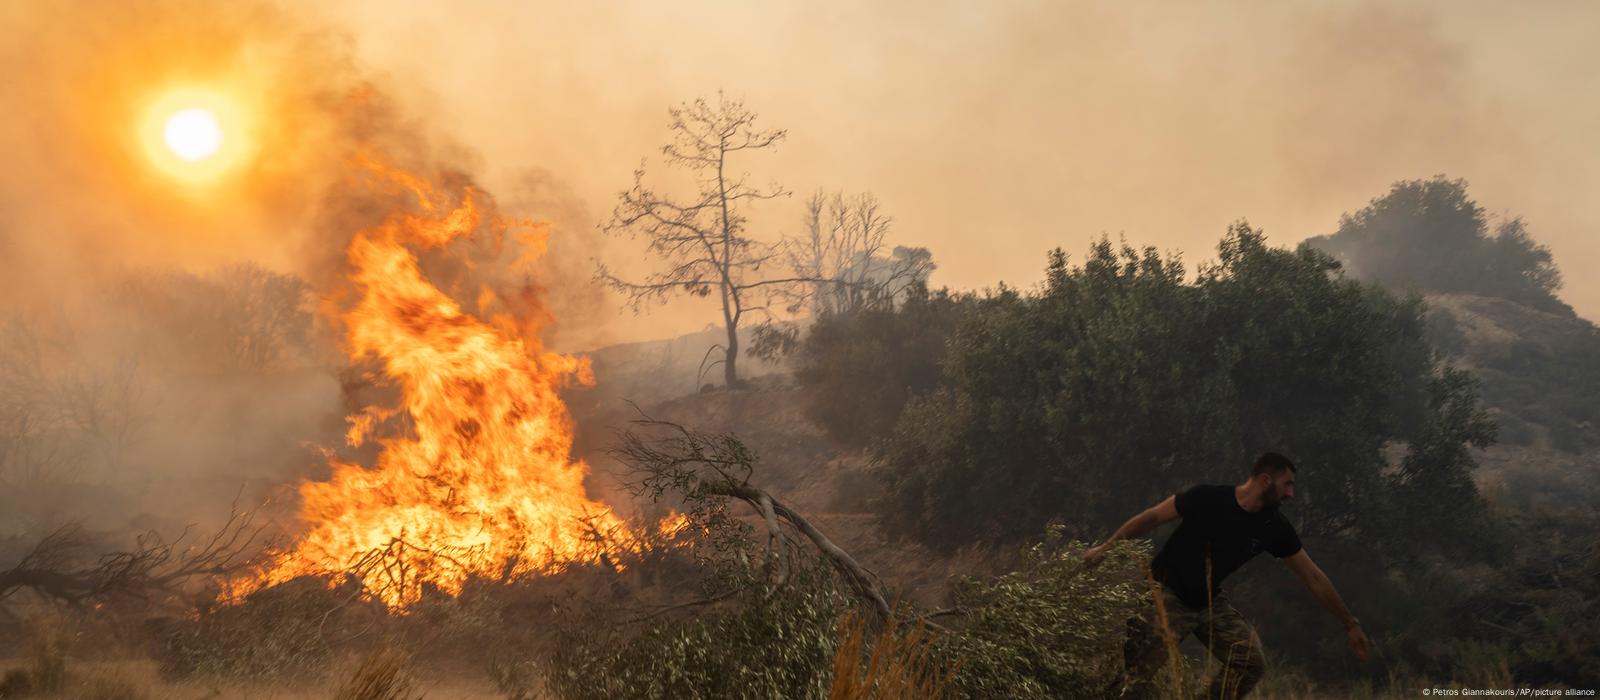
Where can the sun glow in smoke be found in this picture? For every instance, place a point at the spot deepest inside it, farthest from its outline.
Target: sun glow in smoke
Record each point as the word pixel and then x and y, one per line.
pixel 198 135
pixel 482 482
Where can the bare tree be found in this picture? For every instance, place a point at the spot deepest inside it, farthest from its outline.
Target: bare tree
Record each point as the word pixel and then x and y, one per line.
pixel 41 449
pixel 241 318
pixel 702 241
pixel 845 249
pixel 264 319
pixel 107 405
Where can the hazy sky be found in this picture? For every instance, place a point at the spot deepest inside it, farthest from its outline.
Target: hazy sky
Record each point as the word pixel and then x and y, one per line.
pixel 991 131
pixel 994 131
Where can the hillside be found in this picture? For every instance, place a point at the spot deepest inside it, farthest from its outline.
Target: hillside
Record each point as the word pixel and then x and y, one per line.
pixel 1539 372
pixel 650 372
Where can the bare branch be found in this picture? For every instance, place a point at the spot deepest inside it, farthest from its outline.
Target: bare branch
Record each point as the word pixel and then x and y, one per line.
pixel 859 578
pixel 698 466
pixel 61 566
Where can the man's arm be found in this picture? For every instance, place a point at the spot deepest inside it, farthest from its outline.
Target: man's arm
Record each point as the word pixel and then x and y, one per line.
pixel 1150 519
pixel 1322 589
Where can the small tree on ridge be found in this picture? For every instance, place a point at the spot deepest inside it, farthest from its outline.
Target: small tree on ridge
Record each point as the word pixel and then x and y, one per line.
pixel 702 241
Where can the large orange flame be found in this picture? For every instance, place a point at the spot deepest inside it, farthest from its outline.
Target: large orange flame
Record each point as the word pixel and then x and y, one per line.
pixel 483 483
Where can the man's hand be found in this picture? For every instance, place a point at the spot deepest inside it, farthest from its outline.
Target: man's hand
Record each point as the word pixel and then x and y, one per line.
pixel 1319 585
pixel 1147 520
pixel 1359 644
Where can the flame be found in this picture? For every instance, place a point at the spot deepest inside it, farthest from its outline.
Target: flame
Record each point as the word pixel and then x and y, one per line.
pixel 483 483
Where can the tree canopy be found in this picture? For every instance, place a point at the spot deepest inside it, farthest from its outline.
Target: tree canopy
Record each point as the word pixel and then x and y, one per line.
pixel 1430 235
pixel 1119 382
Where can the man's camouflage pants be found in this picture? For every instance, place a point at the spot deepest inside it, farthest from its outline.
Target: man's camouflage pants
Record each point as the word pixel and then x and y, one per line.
pixel 1230 639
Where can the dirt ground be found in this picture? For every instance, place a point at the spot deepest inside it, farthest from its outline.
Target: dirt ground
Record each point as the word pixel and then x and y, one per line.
pixel 138 679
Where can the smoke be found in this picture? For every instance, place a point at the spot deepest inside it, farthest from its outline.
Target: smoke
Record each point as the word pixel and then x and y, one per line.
pixel 168 341
pixel 993 132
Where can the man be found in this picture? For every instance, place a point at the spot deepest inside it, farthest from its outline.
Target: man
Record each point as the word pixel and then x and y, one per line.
pixel 1223 527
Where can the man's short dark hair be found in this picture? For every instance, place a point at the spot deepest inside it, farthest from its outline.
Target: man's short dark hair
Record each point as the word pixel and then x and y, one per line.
pixel 1271 463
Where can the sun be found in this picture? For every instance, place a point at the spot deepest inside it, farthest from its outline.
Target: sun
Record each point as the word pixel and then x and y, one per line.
pixel 198 136
pixel 193 134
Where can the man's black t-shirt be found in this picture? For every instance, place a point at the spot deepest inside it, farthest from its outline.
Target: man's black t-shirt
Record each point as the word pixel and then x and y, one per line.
pixel 1215 526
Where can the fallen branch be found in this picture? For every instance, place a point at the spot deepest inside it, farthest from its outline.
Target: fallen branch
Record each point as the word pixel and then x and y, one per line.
pixel 697 467
pixel 62 565
pixel 860 579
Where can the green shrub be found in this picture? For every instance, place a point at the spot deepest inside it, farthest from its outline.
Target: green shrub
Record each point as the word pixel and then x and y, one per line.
pixel 1050 629
pixel 1445 332
pixel 1429 234
pixel 1120 382
pixel 774 645
pixel 862 367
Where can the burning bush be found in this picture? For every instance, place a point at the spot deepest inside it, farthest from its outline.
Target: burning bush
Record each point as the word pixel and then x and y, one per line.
pixel 475 476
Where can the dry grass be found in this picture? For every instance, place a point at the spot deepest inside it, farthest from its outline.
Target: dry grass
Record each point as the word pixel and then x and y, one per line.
pixel 899 666
pixel 111 687
pixel 138 680
pixel 516 679
pixel 381 675
pixel 44 670
pixel 47 654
